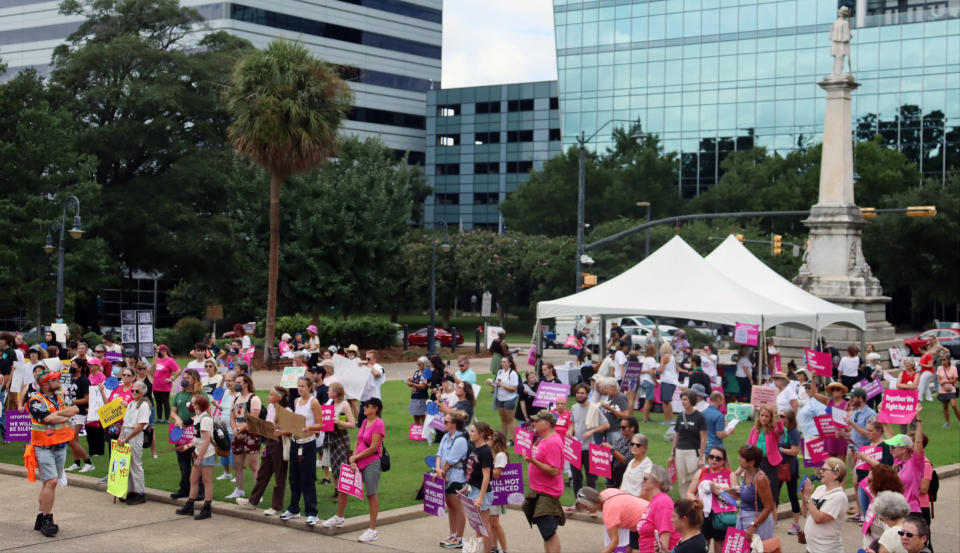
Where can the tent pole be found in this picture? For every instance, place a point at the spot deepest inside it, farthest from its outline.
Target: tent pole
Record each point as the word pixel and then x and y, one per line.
pixel 603 338
pixel 863 344
pixel 762 342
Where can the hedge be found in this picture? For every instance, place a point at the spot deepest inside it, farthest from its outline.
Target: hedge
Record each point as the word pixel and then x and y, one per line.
pixel 366 331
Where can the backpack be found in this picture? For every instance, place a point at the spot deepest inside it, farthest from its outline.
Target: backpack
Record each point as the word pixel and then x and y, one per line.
pixel 220 438
pixel 934 487
pixel 384 456
pixel 263 409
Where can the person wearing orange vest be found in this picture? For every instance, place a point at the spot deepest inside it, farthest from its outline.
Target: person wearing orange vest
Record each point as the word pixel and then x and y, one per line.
pixel 50 414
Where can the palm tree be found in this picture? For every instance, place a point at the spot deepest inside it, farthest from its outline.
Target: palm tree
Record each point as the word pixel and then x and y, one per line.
pixel 286 107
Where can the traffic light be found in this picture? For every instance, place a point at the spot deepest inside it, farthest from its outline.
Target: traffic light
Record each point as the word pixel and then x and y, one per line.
pixel 868 212
pixel 922 211
pixel 589 280
pixel 740 237
pixel 777 244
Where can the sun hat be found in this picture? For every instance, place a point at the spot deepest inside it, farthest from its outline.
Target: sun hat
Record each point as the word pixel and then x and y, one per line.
pixel 353 348
pixel 836 385
pixel 312 328
pixel 900 440
pixel 699 389
pixel 544 415
pixel 779 375
pixel 806 372
pixel 327 364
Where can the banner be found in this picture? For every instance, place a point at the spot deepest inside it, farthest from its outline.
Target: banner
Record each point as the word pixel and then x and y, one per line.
pixel 839 417
pixel 631 376
pixel 571 451
pixel 508 489
pixel 433 497
pixel 436 423
pixel 326 418
pixel 896 357
pixel 746 334
pixel 819 362
pixel 814 452
pixel 473 514
pixel 111 412
pixel 873 388
pixel 119 475
pixel 826 426
pixel 549 393
pixel 260 427
pixel 416 433
pixel 600 461
pixel 868 517
pixel 290 376
pixel 522 442
pixel 17 425
pixel 875 452
pixel 735 541
pixel 898 407
pixel 763 395
pixel 350 481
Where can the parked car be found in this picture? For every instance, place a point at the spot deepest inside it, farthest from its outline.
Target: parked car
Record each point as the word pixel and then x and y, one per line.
pixel 953 346
pixel 636 320
pixel 919 342
pixel 641 335
pixel 441 337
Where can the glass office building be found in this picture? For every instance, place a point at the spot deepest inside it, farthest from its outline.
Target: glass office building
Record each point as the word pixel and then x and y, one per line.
pixel 481 143
pixel 714 76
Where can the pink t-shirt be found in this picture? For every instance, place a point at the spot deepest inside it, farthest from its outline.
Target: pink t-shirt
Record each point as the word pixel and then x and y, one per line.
pixel 924 498
pixel 165 369
pixel 119 392
pixel 945 373
pixel 622 510
pixel 549 451
pixel 365 438
pixel 563 422
pixel 911 472
pixel 659 517
pixel 724 477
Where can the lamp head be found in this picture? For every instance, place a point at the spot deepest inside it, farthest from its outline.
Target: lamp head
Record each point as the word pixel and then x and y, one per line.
pixel 77 230
pixel 48 246
pixel 445 246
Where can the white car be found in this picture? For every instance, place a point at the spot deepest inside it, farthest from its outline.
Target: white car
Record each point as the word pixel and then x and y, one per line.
pixel 642 335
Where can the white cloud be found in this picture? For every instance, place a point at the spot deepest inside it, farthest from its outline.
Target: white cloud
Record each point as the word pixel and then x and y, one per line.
pixel 489 42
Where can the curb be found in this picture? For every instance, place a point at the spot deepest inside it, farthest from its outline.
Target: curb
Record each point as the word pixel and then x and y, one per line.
pixel 255 515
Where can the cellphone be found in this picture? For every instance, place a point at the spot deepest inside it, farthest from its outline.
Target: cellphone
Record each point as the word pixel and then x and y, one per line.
pixel 803 482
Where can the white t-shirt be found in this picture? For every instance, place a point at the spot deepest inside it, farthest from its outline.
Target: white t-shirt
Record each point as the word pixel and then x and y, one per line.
pixel 784 397
pixel 891 540
pixel 826 537
pixel 135 416
pixel 206 425
pixel 372 387
pixel 197 366
pixel 620 359
pixel 507 378
pixel 669 374
pixel 648 364
pixel 245 344
pixel 849 366
pixel 709 364
pixel 607 367
pixel 744 366
pixel 633 476
pixel 500 460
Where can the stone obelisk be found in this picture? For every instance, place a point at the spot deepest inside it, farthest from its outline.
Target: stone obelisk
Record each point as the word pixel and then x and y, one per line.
pixel 833 266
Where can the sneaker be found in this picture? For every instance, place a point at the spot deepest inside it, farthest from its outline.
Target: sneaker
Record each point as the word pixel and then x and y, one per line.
pixel 794 530
pixel 318 464
pixel 88 467
pixel 946 425
pixel 369 535
pixel 155 456
pixel 225 476
pixel 854 518
pixel 244 502
pixel 236 493
pixel 102 480
pixel 333 522
pixel 325 481
pixel 453 543
pixel 570 509
pixel 72 467
pixel 312 520
pixel 270 512
pixel 287 515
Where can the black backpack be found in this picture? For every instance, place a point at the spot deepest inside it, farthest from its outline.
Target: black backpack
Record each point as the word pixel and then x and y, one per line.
pixel 934 487
pixel 220 438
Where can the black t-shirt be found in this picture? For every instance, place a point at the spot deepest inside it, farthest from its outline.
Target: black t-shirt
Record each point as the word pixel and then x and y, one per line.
pixel 466 407
pixel 700 377
pixel 478 459
pixel 79 389
pixel 688 429
pixel 497 347
pixel 149 392
pixel 619 401
pixel 417 393
pixel 7 358
pixel 696 544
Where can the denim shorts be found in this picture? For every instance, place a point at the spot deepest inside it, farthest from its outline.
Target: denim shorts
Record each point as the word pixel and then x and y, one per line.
pixel 666 392
pixel 647 388
pixel 474 493
pixel 50 460
pixel 508 405
pixel 208 461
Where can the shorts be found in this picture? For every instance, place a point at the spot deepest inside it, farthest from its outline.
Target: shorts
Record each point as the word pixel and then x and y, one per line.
pixel 371 478
pixel 711 533
pixel 497 510
pixel 947 397
pixel 666 392
pixel 50 460
pixel 647 389
pixel 208 461
pixel 508 405
pixel 454 487
pixel 418 407
pixel 474 493
pixel 634 540
pixel 547 526
pixel 245 443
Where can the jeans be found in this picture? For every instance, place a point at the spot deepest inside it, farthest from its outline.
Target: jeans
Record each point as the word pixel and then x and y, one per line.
pixel 303 477
pixel 863 499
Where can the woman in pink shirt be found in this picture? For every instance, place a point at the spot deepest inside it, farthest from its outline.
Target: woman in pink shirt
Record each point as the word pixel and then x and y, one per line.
pixel 165 371
pixel 658 518
pixel 909 456
pixel 95 437
pixel 947 380
pixel 621 511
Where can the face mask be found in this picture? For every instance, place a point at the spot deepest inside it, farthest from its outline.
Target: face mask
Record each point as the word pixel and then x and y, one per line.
pixel 116 372
pixel 238 388
pixel 184 383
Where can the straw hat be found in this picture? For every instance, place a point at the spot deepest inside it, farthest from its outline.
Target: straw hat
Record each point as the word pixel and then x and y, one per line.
pixel 837 386
pixel 779 375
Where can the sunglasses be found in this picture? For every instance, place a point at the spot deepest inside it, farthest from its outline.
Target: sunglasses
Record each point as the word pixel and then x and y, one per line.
pixel 127 375
pixel 907 534
pixel 635 444
pixel 715 457
pixel 625 426
pixel 135 391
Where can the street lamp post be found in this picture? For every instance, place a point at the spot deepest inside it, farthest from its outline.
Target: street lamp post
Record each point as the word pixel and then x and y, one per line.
pixel 445 246
pixel 646 251
pixel 75 233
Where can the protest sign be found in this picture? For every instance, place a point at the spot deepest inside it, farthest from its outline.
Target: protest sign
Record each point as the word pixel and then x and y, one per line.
pixel 326 418
pixel 433 496
pixel 96 402
pixel 115 358
pixel 291 375
pixel 631 376
pixel 746 334
pixel 436 423
pixel 522 442
pixel 623 540
pixel 473 514
pixel 826 426
pixel 763 395
pixel 874 452
pixel 351 375
pixel 739 411
pixel 572 342
pixel 261 427
pixel 548 393
pixel 119 475
pixel 839 417
pixel 350 481
pixel 508 489
pixel 17 425
pixel 180 436
pixel 814 452
pixel 819 362
pixel 873 388
pixel 571 451
pixel 293 423
pixel 600 460
pixel 416 433
pixel 868 518
pixel 111 412
pixel 896 357
pixel 898 407
pixel 735 541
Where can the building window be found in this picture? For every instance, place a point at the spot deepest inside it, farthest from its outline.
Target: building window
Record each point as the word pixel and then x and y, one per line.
pixel 384 117
pixel 447 199
pixel 448 169
pixel 492 137
pixel 486 198
pixel 449 110
pixel 554 103
pixel 519 166
pixel 488 107
pixel 520 105
pixel 448 140
pixel 519 136
pixel 486 168
pixel 554 135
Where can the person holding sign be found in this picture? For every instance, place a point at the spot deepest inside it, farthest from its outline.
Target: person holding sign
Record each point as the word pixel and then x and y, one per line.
pixel 418 392
pixel 765 435
pixel 50 414
pixel 337 443
pixel 303 454
pixel 892 509
pixel 182 414
pixel 542 502
pixel 135 420
pixel 203 454
pixel 505 390
pixel 245 446
pixel 718 477
pixel 909 455
pixel 479 473
pixel 756 498
pixel 874 452
pixel 451 467
pixel 498 445
pixel 690 440
pixel 273 465
pixel 824 508
pixel 655 530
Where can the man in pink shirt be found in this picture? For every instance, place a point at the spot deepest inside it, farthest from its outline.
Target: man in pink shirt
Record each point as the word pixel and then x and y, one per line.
pixel 545 475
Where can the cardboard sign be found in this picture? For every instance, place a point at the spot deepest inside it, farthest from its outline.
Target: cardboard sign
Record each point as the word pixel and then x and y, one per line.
pixel 180 436
pixel 571 451
pixel 746 334
pixel 326 418
pixel 631 376
pixel 293 423
pixel 548 393
pixel 875 452
pixel 416 433
pixel 522 442
pixel 17 425
pixel 260 427
pixel 433 496
pixel 601 460
pixel 508 489
pixel 473 514
pixel 291 375
pixel 350 481
pixel 898 407
pixel 119 475
pixel 763 395
pixel 111 412
pixel 826 426
pixel 735 541
pixel 873 388
pixel 815 452
pixel 819 362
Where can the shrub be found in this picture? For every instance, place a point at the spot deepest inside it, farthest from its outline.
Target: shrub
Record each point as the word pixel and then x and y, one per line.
pixel 92 339
pixel 184 334
pixel 367 331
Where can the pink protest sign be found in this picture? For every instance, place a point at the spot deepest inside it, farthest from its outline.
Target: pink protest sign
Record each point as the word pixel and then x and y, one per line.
pixel 868 517
pixel 350 481
pixel 571 451
pixel 819 362
pixel 600 461
pixel 735 541
pixel 874 452
pixel 871 387
pixel 433 496
pixel 826 426
pixel 746 334
pixel 763 395
pixel 416 433
pixel 184 435
pixel 572 342
pixel 522 442
pixel 815 451
pixel 898 407
pixel 473 514
pixel 548 393
pixel 327 416
pixel 436 423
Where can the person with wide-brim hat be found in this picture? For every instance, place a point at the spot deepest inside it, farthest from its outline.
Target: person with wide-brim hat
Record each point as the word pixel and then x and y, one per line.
pixel 786 394
pixel 837 386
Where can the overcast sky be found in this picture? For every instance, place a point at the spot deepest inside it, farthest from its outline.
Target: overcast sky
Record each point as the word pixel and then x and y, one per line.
pixel 497 42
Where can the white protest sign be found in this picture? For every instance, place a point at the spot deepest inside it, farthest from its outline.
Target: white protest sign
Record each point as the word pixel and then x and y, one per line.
pixel 351 375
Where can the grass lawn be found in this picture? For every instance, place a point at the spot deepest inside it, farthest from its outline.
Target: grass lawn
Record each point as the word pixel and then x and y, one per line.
pixel 398 487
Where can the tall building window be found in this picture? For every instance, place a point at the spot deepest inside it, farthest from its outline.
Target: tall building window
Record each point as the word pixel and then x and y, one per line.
pixel 481 138
pixel 519 166
pixel 488 107
pixel 448 169
pixel 553 135
pixel 554 103
pixel 519 136
pixel 486 198
pixel 448 140
pixel 520 105
pixel 486 168
pixel 447 199
pixel 449 110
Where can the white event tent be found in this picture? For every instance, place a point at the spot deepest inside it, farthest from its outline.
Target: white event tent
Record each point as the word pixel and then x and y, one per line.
pixel 735 261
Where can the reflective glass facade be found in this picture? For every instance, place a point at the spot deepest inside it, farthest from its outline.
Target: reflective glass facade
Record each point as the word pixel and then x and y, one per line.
pixel 715 76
